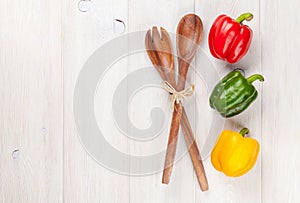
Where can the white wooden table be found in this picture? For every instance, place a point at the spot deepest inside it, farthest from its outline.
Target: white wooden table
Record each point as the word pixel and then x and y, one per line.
pixel 43 46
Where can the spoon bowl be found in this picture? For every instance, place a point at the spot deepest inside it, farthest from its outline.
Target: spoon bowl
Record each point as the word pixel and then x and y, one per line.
pixel 188 37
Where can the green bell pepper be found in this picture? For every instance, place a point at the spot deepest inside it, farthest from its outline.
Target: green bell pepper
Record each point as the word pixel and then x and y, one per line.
pixel 234 93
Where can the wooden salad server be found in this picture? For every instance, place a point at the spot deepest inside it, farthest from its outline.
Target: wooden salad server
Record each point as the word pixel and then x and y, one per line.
pixel 160 53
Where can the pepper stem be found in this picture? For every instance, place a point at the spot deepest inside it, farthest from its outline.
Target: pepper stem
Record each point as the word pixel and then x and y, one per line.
pixel 244 16
pixel 244 131
pixel 254 77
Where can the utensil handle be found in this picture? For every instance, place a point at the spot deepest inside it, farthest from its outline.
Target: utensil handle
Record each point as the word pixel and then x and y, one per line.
pixel 172 143
pixel 194 151
pixel 183 67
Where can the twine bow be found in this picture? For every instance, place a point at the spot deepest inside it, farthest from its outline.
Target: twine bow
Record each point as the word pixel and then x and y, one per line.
pixel 177 96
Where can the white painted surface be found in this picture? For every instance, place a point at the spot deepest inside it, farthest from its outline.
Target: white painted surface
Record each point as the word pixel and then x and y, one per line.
pixel 43 46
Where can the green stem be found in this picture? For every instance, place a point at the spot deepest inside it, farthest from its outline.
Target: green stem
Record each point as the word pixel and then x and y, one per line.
pixel 244 131
pixel 254 77
pixel 244 16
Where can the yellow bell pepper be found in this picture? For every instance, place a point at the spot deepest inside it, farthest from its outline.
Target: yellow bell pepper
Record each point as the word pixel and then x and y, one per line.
pixel 234 154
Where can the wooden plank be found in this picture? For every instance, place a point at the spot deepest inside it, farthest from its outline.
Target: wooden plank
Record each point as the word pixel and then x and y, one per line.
pixel 246 188
pixel 148 188
pixel 281 112
pixel 84 179
pixel 40 62
pixel 31 86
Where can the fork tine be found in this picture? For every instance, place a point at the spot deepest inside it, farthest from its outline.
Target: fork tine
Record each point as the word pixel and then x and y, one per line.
pixel 155 35
pixel 164 34
pixel 167 46
pixel 166 42
pixel 152 53
pixel 148 40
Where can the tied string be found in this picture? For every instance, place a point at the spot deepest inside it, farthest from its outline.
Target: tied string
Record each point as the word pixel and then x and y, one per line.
pixel 177 96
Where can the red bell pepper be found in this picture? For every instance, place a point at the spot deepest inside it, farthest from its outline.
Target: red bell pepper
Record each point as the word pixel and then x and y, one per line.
pixel 229 39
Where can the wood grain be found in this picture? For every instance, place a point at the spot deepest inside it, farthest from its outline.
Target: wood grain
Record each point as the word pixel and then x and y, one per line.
pixel 160 52
pixel 194 152
pixel 31 86
pixel 280 101
pixel 84 179
pixel 43 47
pixel 166 14
pixel 172 143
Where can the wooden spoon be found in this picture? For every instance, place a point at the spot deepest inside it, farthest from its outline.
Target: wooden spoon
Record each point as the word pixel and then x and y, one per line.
pixel 188 38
